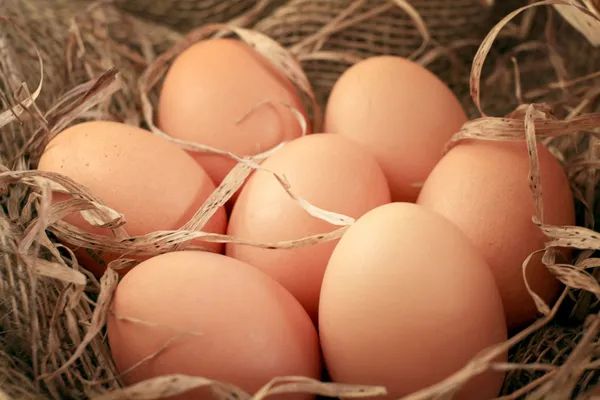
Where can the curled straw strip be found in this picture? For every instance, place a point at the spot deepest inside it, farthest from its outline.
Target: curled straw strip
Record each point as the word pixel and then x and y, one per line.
pixel 13 113
pixel 507 128
pixel 98 214
pixel 172 385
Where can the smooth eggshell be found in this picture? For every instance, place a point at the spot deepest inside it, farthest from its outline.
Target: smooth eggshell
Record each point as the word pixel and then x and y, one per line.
pixel 235 324
pixel 483 188
pixel 401 112
pixel 330 172
pixel 211 86
pixel 156 185
pixel 407 301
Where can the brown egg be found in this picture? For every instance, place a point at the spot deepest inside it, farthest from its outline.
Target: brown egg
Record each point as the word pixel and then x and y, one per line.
pixel 156 185
pixel 483 188
pixel 226 321
pixel 215 83
pixel 401 112
pixel 329 171
pixel 407 300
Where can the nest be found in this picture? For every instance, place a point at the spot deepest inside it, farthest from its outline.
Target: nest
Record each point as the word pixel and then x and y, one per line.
pixel 62 62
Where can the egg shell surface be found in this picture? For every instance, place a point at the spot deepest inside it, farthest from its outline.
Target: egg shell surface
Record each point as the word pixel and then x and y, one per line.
pixel 483 187
pixel 407 301
pixel 214 317
pixel 155 184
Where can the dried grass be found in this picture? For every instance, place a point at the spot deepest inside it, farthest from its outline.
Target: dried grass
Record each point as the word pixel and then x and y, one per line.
pixel 100 63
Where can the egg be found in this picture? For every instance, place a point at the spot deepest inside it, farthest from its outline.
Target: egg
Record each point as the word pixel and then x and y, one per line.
pixel 483 188
pixel 407 301
pixel 155 184
pixel 215 83
pixel 400 112
pixel 330 172
pixel 209 316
